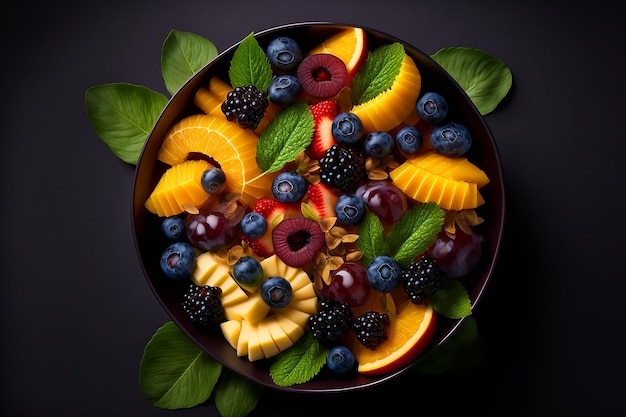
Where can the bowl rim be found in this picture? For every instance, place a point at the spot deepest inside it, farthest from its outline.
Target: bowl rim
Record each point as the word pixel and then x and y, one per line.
pixel 162 124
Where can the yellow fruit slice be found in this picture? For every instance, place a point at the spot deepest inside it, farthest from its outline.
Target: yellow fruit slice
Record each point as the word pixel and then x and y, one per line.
pixel 268 346
pixel 231 329
pixel 179 187
pixel 459 169
pixel 409 332
pixel 232 148
pixel 349 45
pixel 452 183
pixel 209 99
pixel 252 327
pixel 393 106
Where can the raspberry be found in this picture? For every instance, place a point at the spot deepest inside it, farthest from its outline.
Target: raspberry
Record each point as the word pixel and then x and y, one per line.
pixel 342 167
pixel 371 328
pixel 246 105
pixel 203 304
pixel 421 279
pixel 332 320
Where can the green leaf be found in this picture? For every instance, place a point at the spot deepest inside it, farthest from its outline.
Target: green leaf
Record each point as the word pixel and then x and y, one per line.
pixel 299 363
pixel 250 65
pixel 288 134
pixel 174 372
pixel 485 79
pixel 123 115
pixel 236 396
pixel 451 300
pixel 415 232
pixel 372 241
pixel 461 351
pixel 378 73
pixel 183 55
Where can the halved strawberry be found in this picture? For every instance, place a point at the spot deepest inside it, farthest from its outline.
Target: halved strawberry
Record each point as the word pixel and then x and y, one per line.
pixel 323 114
pixel 322 199
pixel 272 210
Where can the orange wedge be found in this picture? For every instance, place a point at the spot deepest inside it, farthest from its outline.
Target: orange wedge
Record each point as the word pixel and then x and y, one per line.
pixel 233 148
pixel 410 331
pixel 349 45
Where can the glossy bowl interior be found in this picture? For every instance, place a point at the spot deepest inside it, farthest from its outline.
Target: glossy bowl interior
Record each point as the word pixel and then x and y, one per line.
pixel 150 243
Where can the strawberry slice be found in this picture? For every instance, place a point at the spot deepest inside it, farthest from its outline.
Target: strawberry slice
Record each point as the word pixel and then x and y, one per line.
pixel 323 114
pixel 272 210
pixel 322 199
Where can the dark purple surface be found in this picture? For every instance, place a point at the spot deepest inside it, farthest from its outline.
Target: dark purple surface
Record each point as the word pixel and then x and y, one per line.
pixel 77 311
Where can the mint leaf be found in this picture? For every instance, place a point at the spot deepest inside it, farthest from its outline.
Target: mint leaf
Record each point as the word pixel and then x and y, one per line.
pixel 235 395
pixel 485 79
pixel 372 241
pixel 461 351
pixel 451 300
pixel 415 232
pixel 378 73
pixel 288 134
pixel 299 363
pixel 183 55
pixel 174 372
pixel 250 65
pixel 123 115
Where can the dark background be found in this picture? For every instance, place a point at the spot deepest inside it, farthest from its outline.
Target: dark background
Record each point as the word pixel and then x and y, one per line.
pixel 77 311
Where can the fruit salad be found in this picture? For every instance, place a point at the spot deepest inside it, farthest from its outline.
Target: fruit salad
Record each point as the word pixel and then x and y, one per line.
pixel 320 194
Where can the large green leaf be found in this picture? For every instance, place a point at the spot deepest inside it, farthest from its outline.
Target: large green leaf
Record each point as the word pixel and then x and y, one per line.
pixel 235 395
pixel 183 55
pixel 123 115
pixel 174 372
pixel 485 79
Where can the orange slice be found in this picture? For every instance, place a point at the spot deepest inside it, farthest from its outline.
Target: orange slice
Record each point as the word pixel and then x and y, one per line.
pixel 409 332
pixel 233 148
pixel 349 45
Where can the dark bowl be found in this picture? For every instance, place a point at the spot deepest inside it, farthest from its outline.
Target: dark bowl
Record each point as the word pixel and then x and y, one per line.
pixel 150 243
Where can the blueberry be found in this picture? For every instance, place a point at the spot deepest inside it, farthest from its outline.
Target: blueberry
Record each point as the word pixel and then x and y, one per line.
pixel 409 139
pixel 284 89
pixel 347 128
pixel 349 209
pixel 378 144
pixel 284 54
pixel 340 360
pixel 173 228
pixel 289 187
pixel 213 180
pixel 179 260
pixel 276 292
pixel 432 107
pixel 248 271
pixel 384 274
pixel 451 139
pixel 253 225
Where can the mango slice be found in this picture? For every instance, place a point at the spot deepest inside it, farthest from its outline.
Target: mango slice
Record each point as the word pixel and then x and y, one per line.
pixel 392 107
pixel 452 183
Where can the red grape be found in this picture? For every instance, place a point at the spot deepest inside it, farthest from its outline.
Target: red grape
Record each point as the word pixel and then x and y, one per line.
pixel 209 230
pixel 348 285
pixel 457 254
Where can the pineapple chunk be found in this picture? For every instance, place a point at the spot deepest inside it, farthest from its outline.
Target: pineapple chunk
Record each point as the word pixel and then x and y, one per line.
pixel 231 329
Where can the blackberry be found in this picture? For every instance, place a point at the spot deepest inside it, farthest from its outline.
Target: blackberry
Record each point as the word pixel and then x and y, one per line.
pixel 342 167
pixel 203 304
pixel 371 328
pixel 246 105
pixel 421 279
pixel 332 320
